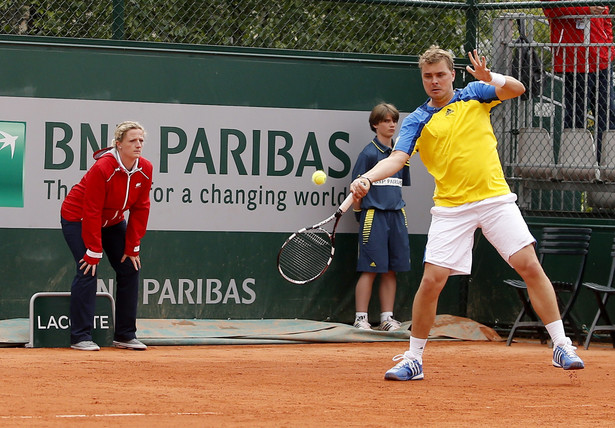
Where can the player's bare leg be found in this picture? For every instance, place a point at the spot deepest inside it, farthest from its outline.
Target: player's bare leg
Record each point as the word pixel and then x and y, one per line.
pixel 543 299
pixel 539 287
pixel 425 302
pixel 424 307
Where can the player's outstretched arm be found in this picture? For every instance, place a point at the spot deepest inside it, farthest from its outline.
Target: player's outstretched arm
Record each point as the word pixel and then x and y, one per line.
pixel 506 87
pixel 383 169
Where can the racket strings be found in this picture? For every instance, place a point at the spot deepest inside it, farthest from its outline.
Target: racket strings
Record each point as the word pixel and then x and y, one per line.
pixel 306 255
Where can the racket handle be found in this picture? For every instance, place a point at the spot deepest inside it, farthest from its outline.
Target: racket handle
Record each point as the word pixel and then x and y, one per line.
pixel 346 204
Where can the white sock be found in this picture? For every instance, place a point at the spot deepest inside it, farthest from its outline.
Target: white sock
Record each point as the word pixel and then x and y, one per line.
pixel 385 316
pixel 417 346
pixel 557 332
pixel 360 315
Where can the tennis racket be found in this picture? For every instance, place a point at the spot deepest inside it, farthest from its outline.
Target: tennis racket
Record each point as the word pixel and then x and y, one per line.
pixel 307 253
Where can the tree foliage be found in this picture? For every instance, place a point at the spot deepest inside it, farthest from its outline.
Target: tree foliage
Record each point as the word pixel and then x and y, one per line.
pixel 340 26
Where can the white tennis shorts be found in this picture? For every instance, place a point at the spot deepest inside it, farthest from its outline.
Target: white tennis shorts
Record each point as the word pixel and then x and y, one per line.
pixel 451 234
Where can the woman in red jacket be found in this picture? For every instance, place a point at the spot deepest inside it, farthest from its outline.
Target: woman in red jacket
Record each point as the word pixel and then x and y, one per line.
pixel 588 84
pixel 92 218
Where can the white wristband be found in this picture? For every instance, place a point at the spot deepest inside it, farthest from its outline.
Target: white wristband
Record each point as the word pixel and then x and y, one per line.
pixel 498 80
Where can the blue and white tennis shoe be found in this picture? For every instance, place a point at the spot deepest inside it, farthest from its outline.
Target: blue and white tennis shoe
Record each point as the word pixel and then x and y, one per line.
pixel 408 368
pixel 564 357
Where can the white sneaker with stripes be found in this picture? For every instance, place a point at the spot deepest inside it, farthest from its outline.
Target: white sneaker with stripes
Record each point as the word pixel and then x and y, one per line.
pixel 389 325
pixel 362 323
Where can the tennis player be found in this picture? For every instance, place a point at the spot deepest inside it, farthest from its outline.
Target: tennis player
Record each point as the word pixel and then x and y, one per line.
pixel 452 132
pixel 92 218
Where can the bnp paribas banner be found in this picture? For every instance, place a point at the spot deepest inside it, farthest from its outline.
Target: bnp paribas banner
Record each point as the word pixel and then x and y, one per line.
pixel 216 168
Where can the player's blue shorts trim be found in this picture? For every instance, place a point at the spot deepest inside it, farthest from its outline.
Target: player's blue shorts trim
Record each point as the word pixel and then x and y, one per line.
pixel 383 241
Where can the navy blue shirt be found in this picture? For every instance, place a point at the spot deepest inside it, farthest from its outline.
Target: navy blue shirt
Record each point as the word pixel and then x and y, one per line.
pixel 384 194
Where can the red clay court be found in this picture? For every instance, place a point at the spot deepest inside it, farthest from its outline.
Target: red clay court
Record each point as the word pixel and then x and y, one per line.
pixel 467 383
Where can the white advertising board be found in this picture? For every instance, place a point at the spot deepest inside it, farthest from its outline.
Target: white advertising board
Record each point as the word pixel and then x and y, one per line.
pixel 216 168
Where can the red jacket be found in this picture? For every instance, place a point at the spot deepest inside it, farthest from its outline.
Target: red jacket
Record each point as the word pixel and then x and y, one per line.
pixel 102 196
pixel 570 30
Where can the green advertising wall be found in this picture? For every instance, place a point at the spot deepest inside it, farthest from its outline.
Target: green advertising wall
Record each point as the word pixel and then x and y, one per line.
pixel 232 274
pixel 197 274
pixel 125 71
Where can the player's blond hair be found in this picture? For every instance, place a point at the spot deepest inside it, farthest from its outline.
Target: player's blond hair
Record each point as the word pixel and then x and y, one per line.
pixel 122 128
pixel 434 55
pixel 380 112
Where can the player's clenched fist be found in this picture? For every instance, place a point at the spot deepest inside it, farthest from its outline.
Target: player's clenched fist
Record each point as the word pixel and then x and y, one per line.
pixel 360 187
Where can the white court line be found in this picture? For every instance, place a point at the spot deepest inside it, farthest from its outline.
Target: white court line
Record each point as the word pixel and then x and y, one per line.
pixel 538 406
pixel 111 415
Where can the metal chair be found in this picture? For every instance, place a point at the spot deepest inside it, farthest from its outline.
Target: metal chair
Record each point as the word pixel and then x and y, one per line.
pixel 535 154
pixel 607 160
pixel 605 199
pixel 602 293
pixel 577 156
pixel 562 252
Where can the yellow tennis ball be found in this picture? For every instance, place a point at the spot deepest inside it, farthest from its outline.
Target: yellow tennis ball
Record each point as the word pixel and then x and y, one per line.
pixel 319 177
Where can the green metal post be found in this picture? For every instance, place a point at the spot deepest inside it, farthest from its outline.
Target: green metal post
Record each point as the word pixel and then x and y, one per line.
pixel 118 20
pixel 471 25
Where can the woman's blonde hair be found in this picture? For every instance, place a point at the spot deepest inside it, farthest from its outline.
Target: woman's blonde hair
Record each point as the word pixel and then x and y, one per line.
pixel 122 128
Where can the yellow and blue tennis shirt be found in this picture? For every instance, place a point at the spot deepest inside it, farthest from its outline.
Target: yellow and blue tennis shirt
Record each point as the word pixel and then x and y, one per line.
pixel 457 146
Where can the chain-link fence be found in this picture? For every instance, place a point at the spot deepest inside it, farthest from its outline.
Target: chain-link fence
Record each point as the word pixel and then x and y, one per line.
pixel 555 143
pixel 382 27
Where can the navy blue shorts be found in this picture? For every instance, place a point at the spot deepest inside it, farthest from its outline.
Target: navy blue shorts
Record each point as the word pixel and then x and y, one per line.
pixel 383 241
